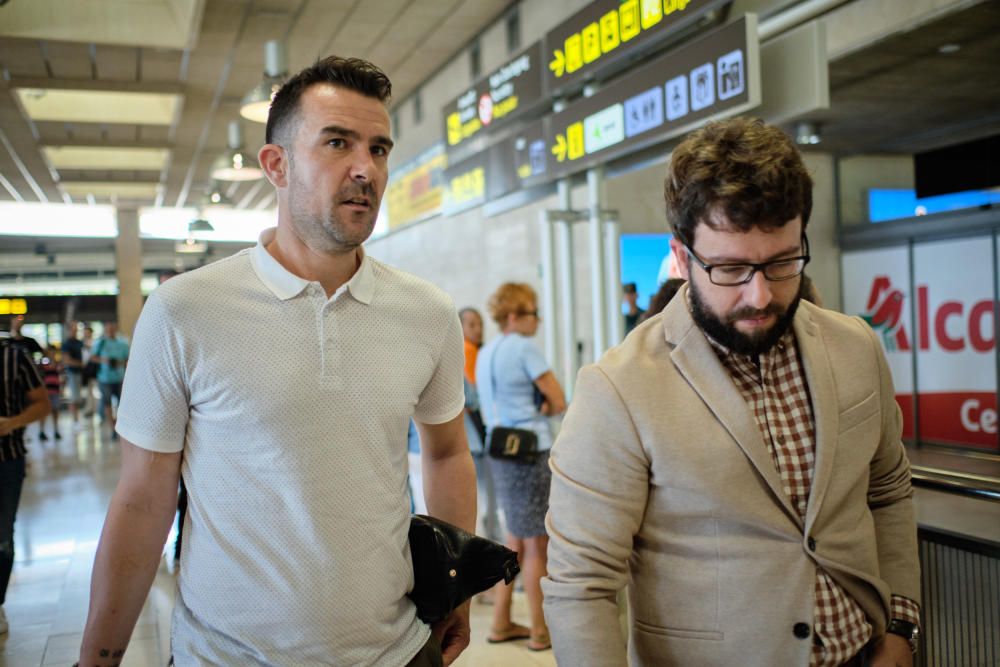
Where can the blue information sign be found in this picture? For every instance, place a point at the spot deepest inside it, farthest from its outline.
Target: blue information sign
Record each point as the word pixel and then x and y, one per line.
pixel 643 112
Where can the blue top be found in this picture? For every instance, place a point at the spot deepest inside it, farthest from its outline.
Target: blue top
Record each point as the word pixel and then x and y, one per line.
pixel 518 363
pixel 115 350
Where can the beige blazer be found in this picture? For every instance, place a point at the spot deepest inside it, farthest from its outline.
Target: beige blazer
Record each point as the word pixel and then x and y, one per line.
pixel 661 481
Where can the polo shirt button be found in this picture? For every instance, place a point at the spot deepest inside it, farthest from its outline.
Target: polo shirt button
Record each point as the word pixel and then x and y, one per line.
pixel 811 543
pixel 801 630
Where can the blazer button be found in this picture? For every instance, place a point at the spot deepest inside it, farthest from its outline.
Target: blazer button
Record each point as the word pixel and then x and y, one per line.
pixel 811 543
pixel 801 630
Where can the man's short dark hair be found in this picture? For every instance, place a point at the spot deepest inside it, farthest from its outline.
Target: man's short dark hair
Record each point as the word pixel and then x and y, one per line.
pixel 352 73
pixel 739 168
pixel 629 288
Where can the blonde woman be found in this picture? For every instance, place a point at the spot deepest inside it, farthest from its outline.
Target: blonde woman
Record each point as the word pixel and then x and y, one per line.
pixel 508 371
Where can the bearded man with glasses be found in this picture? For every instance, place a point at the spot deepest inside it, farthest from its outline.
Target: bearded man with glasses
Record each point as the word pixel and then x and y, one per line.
pixel 737 461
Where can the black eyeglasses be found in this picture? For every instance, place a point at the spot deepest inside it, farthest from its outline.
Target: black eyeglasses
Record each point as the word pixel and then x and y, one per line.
pixel 525 313
pixel 731 275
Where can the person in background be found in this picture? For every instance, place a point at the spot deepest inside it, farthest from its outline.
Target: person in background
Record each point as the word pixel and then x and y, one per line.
pixel 472 335
pixel 22 342
pixel 508 371
pixel 662 297
pixel 51 370
pixel 90 368
pixel 633 313
pixel 23 400
pixel 475 429
pixel 111 352
pixel 737 462
pixel 72 360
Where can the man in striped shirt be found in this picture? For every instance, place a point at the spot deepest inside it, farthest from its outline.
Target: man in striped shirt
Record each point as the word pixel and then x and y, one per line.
pixel 737 461
pixel 23 399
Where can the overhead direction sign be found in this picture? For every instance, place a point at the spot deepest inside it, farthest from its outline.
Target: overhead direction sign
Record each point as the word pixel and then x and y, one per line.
pixel 465 183
pixel 713 76
pixel 607 31
pixel 504 94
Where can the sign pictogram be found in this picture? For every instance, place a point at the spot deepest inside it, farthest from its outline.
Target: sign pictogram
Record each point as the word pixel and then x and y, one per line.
pixel 702 80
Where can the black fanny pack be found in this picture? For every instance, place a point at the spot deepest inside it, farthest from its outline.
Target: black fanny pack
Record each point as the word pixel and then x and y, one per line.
pixel 514 444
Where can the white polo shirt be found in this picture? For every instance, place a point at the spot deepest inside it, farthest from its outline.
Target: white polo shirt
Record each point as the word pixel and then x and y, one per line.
pixel 292 412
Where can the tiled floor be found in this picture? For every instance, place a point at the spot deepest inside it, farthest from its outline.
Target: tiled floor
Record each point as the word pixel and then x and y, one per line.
pixel 69 485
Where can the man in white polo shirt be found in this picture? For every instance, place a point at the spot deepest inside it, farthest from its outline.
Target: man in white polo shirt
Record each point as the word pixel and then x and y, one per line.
pixel 280 383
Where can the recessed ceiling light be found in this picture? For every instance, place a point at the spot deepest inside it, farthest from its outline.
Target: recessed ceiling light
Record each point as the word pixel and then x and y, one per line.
pixel 949 48
pixel 109 189
pixel 99 106
pixel 101 157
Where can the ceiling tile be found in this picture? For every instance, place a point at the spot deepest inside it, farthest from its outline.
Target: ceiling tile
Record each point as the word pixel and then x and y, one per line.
pixel 69 61
pixel 164 23
pixel 117 63
pixel 22 57
pixel 158 65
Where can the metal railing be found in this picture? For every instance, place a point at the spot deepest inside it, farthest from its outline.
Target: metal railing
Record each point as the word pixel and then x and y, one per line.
pixel 960 586
pixel 972 486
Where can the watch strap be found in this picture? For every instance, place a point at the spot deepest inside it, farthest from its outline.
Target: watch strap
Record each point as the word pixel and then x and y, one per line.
pixel 906 630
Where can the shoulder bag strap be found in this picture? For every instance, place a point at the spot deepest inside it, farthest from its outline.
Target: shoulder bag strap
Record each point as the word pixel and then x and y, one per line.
pixel 493 382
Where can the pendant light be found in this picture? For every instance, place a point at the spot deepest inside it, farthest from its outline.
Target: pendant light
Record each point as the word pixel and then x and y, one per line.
pixel 257 103
pixel 235 164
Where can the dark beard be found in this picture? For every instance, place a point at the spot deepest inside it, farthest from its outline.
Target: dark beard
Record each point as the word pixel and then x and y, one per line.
pixel 726 333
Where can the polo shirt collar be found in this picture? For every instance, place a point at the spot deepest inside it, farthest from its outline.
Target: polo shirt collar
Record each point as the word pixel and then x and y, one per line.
pixel 362 283
pixel 284 284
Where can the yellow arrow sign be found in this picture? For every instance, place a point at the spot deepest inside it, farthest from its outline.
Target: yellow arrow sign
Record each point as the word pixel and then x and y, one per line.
pixel 558 64
pixel 559 150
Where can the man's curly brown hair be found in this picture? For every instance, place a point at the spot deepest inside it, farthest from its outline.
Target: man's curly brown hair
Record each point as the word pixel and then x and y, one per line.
pixel 739 173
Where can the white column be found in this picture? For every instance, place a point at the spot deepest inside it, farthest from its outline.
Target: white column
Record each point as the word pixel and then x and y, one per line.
pixel 567 299
pixel 613 261
pixel 128 266
pixel 599 302
pixel 550 322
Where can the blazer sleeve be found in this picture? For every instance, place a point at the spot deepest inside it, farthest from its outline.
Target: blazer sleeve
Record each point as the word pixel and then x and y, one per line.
pixel 600 482
pixel 890 493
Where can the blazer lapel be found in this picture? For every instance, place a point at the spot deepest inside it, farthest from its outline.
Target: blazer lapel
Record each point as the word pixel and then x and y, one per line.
pixel 695 359
pixel 819 376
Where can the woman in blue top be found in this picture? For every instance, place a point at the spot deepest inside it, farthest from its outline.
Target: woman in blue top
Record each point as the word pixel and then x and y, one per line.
pixel 508 370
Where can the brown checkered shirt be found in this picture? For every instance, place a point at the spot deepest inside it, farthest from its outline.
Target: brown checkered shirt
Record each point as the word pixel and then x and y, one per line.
pixel 778 395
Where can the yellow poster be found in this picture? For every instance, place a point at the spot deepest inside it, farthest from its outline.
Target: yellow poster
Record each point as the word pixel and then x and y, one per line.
pixel 417 191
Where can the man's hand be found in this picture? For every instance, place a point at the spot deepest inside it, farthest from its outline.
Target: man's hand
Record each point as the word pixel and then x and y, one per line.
pixel 454 633
pixel 7 425
pixel 892 651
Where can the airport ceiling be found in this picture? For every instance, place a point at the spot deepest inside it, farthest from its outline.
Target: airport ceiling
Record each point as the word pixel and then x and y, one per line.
pixel 914 91
pixel 195 59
